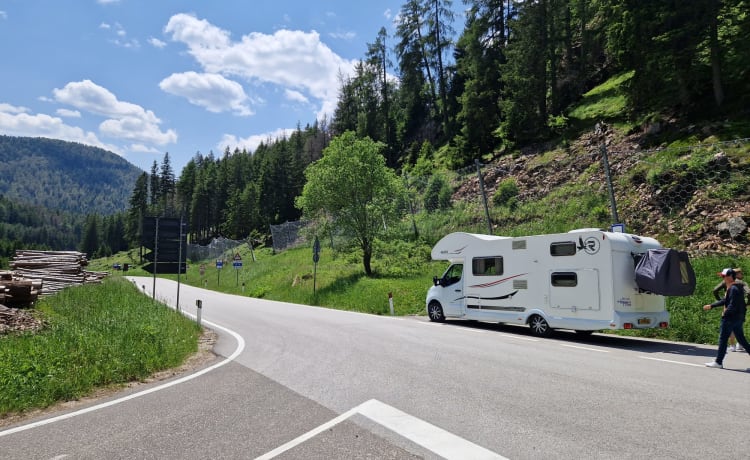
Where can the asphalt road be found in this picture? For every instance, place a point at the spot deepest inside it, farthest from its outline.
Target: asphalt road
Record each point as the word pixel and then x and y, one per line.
pixel 295 381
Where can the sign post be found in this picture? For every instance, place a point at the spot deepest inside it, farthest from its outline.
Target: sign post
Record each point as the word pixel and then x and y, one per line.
pixel 219 266
pixel 237 264
pixel 316 258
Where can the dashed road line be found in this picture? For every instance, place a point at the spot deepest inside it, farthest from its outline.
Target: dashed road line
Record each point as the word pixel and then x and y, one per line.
pixel 586 348
pixel 671 361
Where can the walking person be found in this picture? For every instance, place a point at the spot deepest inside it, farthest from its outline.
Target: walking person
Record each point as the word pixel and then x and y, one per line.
pixel 719 290
pixel 732 318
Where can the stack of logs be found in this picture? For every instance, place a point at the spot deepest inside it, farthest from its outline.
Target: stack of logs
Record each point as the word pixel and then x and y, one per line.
pixel 36 273
pixel 57 269
pixel 17 292
pixel 21 294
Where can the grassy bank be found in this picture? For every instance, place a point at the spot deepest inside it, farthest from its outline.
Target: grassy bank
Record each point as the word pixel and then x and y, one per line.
pixel 405 270
pixel 95 336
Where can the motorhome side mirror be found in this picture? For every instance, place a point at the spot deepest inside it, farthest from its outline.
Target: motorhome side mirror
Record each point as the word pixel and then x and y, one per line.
pixel 435 281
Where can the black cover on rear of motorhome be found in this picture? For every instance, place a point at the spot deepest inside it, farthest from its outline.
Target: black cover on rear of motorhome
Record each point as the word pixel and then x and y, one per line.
pixel 665 272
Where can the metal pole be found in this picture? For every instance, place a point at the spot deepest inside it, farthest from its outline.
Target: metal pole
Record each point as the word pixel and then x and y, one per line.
pixel 179 266
pixel 612 201
pixel 484 196
pixel 156 254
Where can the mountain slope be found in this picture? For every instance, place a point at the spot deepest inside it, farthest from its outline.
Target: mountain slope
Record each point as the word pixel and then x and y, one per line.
pixel 65 176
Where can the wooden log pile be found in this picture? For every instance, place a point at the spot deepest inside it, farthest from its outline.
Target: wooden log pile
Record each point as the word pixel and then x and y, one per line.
pixel 17 292
pixel 17 320
pixel 55 269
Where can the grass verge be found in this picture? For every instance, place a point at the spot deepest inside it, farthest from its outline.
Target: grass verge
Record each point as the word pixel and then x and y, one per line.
pixel 95 336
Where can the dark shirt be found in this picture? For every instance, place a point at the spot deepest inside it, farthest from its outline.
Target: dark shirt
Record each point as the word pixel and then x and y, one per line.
pixel 734 302
pixel 721 286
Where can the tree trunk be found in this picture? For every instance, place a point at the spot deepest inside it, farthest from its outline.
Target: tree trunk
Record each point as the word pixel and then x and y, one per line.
pixel 367 257
pixel 715 56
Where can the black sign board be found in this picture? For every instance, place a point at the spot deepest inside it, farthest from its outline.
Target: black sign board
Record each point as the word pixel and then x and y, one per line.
pixel 166 237
pixel 169 229
pixel 166 267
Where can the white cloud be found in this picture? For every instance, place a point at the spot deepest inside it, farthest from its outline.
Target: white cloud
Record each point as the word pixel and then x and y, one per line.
pixel 136 129
pixel 294 60
pixel 15 121
pixel 3 15
pixel 211 91
pixel 251 143
pixel 120 38
pixel 295 96
pixel 68 113
pixel 11 109
pixel 343 35
pixel 156 43
pixel 140 148
pixel 125 120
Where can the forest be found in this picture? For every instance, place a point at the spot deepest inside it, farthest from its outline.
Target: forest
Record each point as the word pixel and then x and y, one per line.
pixel 439 98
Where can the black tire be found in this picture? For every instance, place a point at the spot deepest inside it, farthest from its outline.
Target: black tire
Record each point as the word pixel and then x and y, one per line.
pixel 539 326
pixel 435 312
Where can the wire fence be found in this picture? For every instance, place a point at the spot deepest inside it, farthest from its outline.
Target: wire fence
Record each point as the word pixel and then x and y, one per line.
pixel 288 235
pixel 218 248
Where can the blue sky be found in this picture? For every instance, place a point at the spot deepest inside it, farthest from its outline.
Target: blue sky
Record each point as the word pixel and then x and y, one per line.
pixel 145 77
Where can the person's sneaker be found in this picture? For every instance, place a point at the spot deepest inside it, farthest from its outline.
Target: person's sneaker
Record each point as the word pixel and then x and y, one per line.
pixel 715 365
pixel 731 348
pixel 739 348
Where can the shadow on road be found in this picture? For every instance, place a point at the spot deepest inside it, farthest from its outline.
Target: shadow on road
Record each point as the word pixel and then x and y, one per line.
pixel 600 339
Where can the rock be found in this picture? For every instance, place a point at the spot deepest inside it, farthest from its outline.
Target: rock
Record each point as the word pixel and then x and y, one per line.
pixel 734 227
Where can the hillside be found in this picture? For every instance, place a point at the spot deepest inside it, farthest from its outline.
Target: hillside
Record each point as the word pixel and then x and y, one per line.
pixel 685 182
pixel 65 176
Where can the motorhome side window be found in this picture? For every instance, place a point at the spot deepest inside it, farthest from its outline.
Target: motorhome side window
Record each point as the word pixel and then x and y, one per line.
pixel 564 279
pixel 564 248
pixel 453 274
pixel 487 266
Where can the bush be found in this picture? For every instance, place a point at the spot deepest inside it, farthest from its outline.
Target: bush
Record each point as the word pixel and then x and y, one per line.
pixel 506 193
pixel 438 194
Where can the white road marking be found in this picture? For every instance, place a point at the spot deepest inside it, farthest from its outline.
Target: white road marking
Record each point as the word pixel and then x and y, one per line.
pixel 240 347
pixel 431 437
pixel 518 337
pixel 672 361
pixel 586 348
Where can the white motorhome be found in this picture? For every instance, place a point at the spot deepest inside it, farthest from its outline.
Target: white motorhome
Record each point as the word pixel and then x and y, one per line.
pixel 584 280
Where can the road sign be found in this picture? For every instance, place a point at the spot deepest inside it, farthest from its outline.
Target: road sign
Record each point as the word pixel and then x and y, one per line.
pixel 166 237
pixel 316 250
pixel 170 228
pixel 167 251
pixel 166 267
pixel 219 264
pixel 237 264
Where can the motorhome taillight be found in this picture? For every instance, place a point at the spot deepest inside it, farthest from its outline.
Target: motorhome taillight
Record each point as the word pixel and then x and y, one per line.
pixel 664 325
pixel 627 326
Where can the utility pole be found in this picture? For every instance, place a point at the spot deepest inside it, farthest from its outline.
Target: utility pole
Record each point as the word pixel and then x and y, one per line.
pixel 484 195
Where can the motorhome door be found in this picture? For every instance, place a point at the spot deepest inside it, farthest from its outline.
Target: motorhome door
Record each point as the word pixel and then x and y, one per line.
pixel 453 294
pixel 576 289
